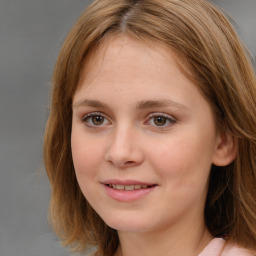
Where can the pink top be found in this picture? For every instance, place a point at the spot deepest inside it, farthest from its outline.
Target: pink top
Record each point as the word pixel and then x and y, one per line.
pixel 219 247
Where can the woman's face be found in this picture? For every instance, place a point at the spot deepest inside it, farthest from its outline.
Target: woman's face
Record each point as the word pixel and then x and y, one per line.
pixel 143 138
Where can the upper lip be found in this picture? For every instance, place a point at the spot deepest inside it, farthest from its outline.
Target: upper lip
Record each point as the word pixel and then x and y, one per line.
pixel 126 182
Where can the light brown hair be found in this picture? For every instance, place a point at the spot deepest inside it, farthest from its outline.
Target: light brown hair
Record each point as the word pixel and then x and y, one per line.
pixel 201 35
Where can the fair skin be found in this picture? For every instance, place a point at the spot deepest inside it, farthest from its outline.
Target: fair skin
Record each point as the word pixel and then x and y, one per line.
pixel 138 120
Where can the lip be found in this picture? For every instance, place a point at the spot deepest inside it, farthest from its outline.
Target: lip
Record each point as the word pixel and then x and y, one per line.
pixel 127 195
pixel 126 182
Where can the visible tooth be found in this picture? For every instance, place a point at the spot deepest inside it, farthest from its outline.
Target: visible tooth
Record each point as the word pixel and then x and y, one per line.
pixel 120 187
pixel 129 187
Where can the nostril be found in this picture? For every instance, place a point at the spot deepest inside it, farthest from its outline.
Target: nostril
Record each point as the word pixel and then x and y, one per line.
pixel 126 164
pixel 129 162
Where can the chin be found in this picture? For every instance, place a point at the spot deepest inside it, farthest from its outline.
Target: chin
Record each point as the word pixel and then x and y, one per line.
pixel 126 224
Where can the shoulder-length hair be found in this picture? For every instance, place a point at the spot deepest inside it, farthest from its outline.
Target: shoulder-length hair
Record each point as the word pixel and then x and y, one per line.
pixel 206 42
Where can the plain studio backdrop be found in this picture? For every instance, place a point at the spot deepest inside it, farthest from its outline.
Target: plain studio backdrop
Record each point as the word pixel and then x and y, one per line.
pixel 31 34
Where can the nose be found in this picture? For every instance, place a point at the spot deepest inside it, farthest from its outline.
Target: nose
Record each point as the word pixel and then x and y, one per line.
pixel 124 149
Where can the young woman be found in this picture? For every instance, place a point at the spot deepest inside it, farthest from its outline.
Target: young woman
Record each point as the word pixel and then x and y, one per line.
pixel 150 145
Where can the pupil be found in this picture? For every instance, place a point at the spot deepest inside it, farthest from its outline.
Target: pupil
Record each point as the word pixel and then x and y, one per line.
pixel 160 120
pixel 97 120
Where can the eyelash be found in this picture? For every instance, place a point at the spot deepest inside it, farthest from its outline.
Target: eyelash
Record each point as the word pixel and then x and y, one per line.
pixel 171 120
pixel 88 119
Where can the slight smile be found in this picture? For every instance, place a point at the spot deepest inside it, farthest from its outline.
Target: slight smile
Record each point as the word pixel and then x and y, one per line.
pixel 127 190
pixel 127 187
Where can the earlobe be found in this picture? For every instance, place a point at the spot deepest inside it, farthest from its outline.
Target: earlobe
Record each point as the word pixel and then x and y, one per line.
pixel 226 149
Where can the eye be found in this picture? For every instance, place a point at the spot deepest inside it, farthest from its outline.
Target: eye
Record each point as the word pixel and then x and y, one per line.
pixel 161 120
pixel 95 119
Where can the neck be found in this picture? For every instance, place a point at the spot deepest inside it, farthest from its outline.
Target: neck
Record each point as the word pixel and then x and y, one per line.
pixel 175 241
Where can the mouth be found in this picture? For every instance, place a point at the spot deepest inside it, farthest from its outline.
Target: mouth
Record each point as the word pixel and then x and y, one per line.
pixel 129 187
pixel 128 190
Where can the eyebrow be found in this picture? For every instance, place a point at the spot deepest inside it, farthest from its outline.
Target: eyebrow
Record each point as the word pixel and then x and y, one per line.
pixel 159 103
pixel 90 103
pixel 140 105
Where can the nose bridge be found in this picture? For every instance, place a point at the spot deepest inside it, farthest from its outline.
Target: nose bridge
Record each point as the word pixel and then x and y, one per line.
pixel 122 135
pixel 123 149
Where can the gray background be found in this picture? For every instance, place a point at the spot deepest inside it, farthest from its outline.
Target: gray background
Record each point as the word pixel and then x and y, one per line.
pixel 31 33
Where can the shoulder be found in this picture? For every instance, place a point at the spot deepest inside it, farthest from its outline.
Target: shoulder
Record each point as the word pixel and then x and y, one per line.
pixel 234 250
pixel 219 247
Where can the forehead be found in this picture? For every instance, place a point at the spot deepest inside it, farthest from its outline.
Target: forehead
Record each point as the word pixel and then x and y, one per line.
pixel 123 72
pixel 127 54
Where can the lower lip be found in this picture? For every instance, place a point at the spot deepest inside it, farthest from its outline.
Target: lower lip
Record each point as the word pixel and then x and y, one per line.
pixel 128 195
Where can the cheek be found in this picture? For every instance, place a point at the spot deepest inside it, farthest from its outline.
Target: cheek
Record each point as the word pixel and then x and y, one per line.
pixel 86 163
pixel 86 155
pixel 183 161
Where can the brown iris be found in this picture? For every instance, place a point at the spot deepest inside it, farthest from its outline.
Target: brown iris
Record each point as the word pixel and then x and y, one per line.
pixel 97 120
pixel 160 120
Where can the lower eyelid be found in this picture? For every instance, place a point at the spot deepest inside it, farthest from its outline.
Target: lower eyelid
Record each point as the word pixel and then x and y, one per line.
pixel 87 120
pixel 168 122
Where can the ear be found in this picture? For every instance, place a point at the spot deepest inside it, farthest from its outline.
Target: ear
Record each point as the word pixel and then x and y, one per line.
pixel 226 149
